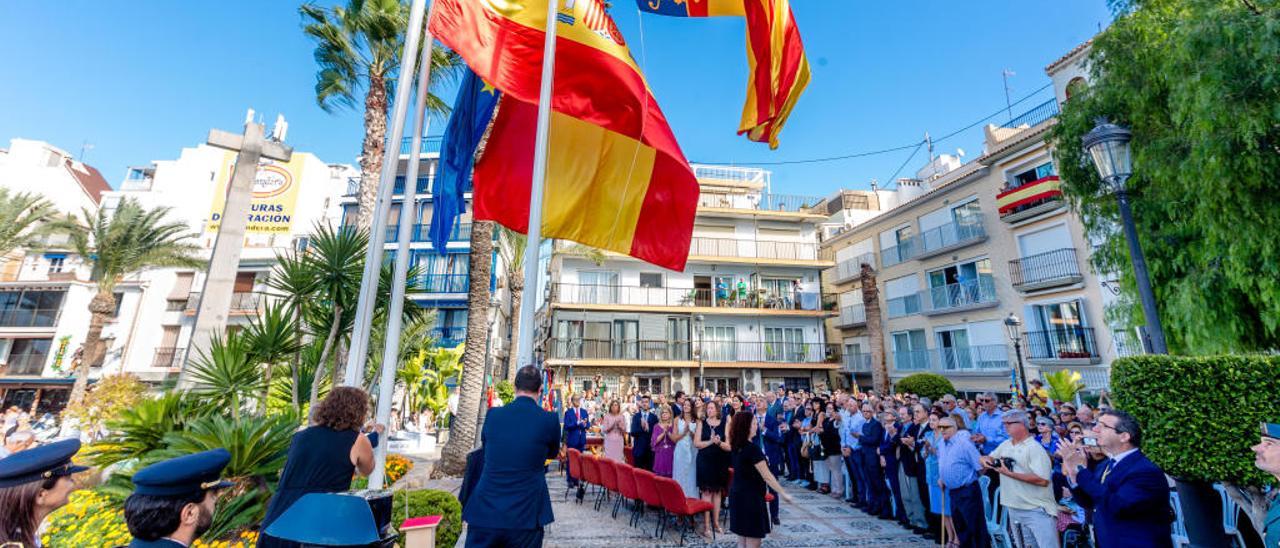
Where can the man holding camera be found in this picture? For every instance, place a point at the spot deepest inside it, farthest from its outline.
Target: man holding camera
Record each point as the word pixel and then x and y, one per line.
pixel 1025 489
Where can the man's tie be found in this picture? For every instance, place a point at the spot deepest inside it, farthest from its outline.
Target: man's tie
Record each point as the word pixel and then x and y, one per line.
pixel 1105 471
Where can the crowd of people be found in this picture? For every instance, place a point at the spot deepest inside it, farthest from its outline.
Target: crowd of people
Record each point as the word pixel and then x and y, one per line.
pixel 899 458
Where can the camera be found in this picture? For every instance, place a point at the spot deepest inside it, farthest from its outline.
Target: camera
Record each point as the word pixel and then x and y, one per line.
pixel 1007 462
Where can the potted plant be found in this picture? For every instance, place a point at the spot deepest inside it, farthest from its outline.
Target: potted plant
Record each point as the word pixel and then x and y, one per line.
pixel 1063 384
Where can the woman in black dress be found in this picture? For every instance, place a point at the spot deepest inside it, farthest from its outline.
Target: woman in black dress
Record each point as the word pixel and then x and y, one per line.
pixel 324 457
pixel 712 465
pixel 750 517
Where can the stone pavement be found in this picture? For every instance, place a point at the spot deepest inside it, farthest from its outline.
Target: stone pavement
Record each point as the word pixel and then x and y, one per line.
pixel 812 520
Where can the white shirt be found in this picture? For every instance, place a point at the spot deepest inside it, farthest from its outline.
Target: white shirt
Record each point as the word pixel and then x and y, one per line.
pixel 1115 460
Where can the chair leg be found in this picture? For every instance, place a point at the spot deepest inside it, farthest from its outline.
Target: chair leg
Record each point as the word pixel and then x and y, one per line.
pixel 616 504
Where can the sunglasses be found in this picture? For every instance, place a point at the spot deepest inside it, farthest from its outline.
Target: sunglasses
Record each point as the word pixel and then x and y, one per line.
pixel 945 427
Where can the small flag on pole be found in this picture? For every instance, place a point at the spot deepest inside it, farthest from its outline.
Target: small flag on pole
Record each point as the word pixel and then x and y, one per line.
pixel 472 112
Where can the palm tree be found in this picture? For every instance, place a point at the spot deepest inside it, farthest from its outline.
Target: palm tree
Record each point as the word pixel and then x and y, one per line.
pixel 25 218
pixel 271 337
pixel 336 260
pixel 118 243
pixel 875 330
pixel 293 284
pixel 453 459
pixel 511 246
pixel 358 47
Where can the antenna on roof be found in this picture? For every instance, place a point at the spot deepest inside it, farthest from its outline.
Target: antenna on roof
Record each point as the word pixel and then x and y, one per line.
pixel 280 129
pixel 85 147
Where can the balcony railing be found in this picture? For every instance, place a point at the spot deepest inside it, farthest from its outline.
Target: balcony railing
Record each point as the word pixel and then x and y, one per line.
pixel 422 233
pixel 905 305
pixel 441 283
pixel 752 175
pixel 849 269
pixel 1036 115
pixel 913 360
pixel 994 357
pixel 175 305
pixel 965 295
pixel 857 363
pixel 674 296
pixel 167 356
pixel 752 249
pixel 950 236
pixel 1029 200
pixel 429 145
pixel 1049 269
pixel 852 315
pixel 712 351
pixel 1062 343
pixel 29 317
pixel 758 201
pixel 1127 344
pixel 240 302
pixel 449 337
pixel 903 252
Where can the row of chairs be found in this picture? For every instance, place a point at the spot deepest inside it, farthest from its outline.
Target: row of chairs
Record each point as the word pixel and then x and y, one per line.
pixel 638 489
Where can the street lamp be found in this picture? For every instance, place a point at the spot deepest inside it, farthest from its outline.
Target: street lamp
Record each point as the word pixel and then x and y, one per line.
pixel 1108 146
pixel 1013 325
pixel 697 326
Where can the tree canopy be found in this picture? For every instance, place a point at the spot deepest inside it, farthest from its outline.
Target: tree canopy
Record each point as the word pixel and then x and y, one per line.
pixel 1198 83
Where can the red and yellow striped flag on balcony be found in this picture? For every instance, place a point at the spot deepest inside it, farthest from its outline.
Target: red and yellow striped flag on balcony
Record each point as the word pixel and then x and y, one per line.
pixel 775 54
pixel 616 178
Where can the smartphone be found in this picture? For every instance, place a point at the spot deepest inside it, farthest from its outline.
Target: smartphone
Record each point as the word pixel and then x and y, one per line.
pixel 1089 442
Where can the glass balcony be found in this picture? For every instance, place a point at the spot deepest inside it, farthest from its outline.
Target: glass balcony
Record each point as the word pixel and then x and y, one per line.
pixel 903 306
pixel 913 360
pixel 752 249
pixel 1044 270
pixel 572 348
pixel 758 201
pixel 857 363
pixel 951 236
pixel 421 232
pixel 903 252
pixel 966 295
pixel 852 315
pixel 448 337
pixel 440 283
pixel 672 296
pixel 994 357
pixel 850 269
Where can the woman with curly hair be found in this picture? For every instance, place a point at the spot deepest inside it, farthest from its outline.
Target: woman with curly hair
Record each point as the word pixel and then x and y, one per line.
pixel 324 457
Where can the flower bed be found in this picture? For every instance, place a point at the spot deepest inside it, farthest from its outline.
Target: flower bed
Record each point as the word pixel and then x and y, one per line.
pixel 93 518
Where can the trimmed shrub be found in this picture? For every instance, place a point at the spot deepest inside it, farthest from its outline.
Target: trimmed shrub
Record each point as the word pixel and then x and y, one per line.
pixel 928 385
pixel 506 391
pixel 430 502
pixel 1200 415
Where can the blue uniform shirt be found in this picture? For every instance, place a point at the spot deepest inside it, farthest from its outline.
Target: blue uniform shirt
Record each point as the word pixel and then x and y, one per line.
pixel 991 425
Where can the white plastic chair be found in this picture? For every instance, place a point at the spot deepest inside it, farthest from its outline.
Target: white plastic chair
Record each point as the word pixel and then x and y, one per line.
pixel 1230 513
pixel 1179 535
pixel 996 517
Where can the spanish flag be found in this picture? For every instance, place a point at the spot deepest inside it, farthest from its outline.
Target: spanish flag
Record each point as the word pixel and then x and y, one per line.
pixel 779 70
pixel 616 178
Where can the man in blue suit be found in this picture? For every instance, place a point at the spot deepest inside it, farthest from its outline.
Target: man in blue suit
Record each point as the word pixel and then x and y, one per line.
pixel 576 421
pixel 1129 495
pixel 791 439
pixel 872 466
pixel 510 504
pixel 641 434
pixel 889 443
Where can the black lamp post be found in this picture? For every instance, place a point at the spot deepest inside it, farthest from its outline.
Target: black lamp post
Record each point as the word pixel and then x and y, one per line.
pixel 697 326
pixel 1108 146
pixel 1013 325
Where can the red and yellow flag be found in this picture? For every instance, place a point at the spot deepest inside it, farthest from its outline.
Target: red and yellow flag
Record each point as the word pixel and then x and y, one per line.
pixel 775 55
pixel 616 178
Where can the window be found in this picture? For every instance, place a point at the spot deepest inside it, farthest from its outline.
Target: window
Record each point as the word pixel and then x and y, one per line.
pixel 1076 86
pixel 27 356
pixel 626 339
pixel 719 344
pixel 118 297
pixel 678 338
pixel 650 279
pixel 4 350
pixel 598 287
pixel 1031 175
pixel 961 285
pixel 649 385
pixel 721 385
pixel 910 352
pixel 56 263
pixel 27 308
pixel 784 344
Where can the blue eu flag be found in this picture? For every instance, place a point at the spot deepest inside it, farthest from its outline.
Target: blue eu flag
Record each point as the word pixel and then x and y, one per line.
pixel 472 111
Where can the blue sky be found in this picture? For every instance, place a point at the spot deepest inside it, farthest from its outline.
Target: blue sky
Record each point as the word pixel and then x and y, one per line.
pixel 140 80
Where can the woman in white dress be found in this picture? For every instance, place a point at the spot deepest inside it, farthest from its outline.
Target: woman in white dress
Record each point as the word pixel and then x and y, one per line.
pixel 683 469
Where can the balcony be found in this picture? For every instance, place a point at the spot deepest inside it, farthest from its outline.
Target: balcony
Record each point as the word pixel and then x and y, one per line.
pixel 448 337
pixel 1030 200
pixel 756 201
pixel 1044 270
pixel 29 317
pixel 912 361
pixel 950 237
pixel 758 300
pixel 241 303
pixel 905 305
pixel 429 145
pixel 1037 115
pixel 713 351
pixel 1127 344
pixel 851 269
pixel 732 175
pixel 857 363
pixel 901 253
pixel 959 297
pixel 852 316
pixel 440 283
pixel 993 358
pixel 168 357
pixel 752 249
pixel 1066 345
pixel 421 233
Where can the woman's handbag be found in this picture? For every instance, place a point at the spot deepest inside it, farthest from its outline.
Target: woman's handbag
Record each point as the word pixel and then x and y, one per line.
pixel 804 449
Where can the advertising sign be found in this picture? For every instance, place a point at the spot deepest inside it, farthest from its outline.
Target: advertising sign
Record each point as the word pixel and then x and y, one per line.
pixel 275 193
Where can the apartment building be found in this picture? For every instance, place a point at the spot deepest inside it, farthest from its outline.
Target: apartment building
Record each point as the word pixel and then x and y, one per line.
pixel 747 312
pixel 967 247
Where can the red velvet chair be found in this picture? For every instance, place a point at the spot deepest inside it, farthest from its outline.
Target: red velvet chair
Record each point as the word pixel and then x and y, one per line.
pixel 646 485
pixel 680 506
pixel 608 479
pixel 590 473
pixel 575 468
pixel 626 478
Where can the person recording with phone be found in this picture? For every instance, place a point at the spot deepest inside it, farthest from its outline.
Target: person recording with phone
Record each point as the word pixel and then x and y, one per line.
pixel 1025 486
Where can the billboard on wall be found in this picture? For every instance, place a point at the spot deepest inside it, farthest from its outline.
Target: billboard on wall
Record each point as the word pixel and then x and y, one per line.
pixel 275 193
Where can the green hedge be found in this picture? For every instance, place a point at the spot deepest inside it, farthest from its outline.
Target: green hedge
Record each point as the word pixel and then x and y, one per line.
pixel 929 385
pixel 1200 415
pixel 430 502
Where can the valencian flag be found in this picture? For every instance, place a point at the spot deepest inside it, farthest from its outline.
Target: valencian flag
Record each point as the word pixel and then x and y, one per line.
pixel 778 67
pixel 616 178
pixel 471 114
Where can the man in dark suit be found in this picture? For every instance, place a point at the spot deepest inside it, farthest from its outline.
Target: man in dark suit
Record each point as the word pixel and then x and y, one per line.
pixel 889 444
pixel 771 444
pixel 1129 495
pixel 791 439
pixel 511 505
pixel 872 436
pixel 641 433
pixel 576 421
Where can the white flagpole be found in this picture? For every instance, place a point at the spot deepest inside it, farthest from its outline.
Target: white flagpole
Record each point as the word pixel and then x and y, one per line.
pixel 408 216
pixel 359 349
pixel 529 297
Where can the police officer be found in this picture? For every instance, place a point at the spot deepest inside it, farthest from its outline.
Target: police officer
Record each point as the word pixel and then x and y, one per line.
pixel 173 500
pixel 34 483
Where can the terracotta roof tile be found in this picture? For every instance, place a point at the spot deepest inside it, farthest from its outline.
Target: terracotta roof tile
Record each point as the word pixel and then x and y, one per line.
pixel 1068 55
